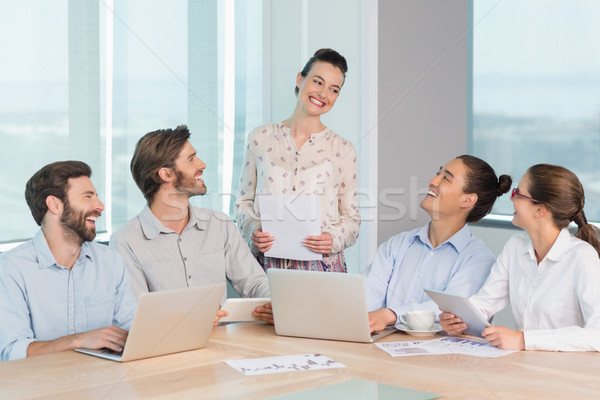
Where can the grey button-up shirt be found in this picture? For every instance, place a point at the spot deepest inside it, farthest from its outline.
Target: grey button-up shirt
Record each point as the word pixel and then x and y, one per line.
pixel 209 250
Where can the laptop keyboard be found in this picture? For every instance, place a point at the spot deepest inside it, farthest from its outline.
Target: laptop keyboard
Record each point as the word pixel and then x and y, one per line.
pixel 109 351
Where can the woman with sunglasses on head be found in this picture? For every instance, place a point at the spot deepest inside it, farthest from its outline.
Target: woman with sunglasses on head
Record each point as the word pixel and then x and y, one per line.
pixel 302 156
pixel 550 278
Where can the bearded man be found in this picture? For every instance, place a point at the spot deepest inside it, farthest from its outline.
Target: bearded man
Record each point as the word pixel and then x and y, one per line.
pixel 171 244
pixel 59 290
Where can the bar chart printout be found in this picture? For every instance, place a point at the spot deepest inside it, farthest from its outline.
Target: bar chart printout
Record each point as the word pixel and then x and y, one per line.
pixel 273 365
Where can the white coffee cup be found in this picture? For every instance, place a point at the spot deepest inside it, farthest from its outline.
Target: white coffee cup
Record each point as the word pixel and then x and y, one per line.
pixel 421 320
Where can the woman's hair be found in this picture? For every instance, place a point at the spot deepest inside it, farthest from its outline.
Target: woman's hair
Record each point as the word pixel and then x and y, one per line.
pixel 561 192
pixel 324 55
pixel 482 180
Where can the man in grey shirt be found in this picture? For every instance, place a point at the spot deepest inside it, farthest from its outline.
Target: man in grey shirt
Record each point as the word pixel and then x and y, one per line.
pixel 171 244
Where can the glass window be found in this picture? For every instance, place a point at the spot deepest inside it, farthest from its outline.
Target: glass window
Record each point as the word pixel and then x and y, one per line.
pixel 85 80
pixel 536 89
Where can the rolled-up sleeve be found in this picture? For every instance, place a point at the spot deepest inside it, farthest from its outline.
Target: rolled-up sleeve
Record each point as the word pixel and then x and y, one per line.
pixel 125 304
pixel 246 218
pixel 345 231
pixel 242 269
pixel 15 329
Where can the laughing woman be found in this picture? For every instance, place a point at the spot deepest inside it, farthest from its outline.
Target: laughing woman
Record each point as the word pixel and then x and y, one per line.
pixel 550 278
pixel 302 156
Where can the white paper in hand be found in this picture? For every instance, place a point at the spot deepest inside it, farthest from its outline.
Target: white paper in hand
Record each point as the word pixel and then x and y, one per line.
pixel 290 219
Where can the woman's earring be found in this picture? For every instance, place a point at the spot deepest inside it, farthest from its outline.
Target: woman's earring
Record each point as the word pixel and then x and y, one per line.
pixel 535 215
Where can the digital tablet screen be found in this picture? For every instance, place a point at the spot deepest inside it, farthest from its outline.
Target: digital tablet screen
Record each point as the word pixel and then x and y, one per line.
pixel 462 308
pixel 240 309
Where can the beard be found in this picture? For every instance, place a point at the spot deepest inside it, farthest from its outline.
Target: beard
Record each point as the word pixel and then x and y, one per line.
pixel 74 223
pixel 188 185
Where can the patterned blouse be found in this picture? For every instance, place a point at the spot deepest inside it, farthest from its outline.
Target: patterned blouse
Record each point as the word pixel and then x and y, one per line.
pixel 326 165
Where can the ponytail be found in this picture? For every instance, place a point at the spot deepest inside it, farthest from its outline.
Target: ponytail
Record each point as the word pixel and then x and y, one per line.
pixel 561 192
pixel 587 232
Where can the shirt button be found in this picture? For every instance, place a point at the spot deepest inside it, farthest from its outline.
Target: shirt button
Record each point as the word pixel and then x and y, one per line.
pixel 180 239
pixel 421 276
pixel 184 258
pixel 294 188
pixel 431 253
pixel 297 153
pixel 310 141
pixel 189 277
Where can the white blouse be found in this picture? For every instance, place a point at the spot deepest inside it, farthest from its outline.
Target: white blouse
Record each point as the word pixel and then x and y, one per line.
pixel 326 165
pixel 556 303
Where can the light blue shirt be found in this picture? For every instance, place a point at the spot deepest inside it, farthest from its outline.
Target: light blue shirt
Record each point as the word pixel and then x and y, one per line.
pixel 407 263
pixel 41 300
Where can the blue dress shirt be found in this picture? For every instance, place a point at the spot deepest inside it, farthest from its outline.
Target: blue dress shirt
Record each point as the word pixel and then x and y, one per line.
pixel 407 263
pixel 41 300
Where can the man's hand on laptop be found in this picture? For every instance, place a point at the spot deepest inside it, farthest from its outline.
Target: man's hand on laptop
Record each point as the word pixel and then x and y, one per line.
pixel 380 319
pixel 220 314
pixel 110 337
pixel 264 313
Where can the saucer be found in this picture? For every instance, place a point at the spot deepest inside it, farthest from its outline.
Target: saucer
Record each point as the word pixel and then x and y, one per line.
pixel 407 329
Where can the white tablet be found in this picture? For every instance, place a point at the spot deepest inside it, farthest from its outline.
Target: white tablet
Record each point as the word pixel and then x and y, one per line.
pixel 462 308
pixel 240 309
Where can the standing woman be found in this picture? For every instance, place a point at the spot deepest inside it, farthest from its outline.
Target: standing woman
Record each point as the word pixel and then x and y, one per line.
pixel 550 278
pixel 302 156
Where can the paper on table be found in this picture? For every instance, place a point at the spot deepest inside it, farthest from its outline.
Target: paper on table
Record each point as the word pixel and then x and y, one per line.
pixel 290 219
pixel 273 365
pixel 446 345
pixel 470 347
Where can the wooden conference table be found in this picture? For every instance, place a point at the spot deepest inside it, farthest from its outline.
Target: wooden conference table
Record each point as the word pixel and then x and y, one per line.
pixel 203 374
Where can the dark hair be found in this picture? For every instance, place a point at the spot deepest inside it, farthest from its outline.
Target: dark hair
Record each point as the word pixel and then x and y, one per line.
pixel 52 180
pixel 154 151
pixel 324 55
pixel 482 180
pixel 561 192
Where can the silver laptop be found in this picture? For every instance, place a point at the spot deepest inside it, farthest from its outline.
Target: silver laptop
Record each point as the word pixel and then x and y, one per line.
pixel 321 305
pixel 168 322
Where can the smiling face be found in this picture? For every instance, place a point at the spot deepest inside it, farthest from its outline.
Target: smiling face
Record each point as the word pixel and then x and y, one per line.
pixel 188 172
pixel 81 209
pixel 320 88
pixel 446 196
pixel 525 209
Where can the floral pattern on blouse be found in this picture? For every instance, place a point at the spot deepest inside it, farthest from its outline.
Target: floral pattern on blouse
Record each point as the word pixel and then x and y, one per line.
pixel 326 165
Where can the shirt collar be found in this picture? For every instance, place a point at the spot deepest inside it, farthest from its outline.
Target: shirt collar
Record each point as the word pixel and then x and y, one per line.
pixel 199 217
pixel 152 227
pixel 557 251
pixel 45 257
pixel 312 136
pixel 561 246
pixel 460 240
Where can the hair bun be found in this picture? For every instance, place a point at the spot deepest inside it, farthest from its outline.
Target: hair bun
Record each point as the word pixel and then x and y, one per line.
pixel 504 184
pixel 324 50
